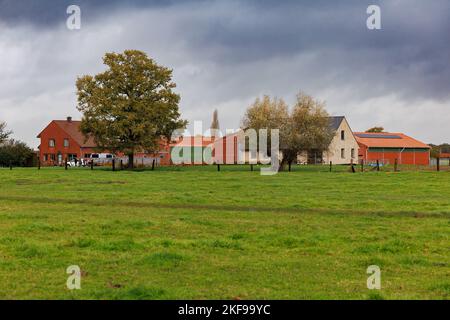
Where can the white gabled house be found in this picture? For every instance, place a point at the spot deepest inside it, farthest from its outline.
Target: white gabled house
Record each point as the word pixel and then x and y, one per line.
pixel 343 148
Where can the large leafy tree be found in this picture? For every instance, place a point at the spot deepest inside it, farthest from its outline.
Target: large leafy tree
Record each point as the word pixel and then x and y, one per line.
pixel 129 107
pixel 304 128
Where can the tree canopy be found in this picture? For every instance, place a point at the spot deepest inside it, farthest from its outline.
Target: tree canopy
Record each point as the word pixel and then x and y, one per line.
pixel 14 152
pixel 306 127
pixel 129 107
pixel 375 129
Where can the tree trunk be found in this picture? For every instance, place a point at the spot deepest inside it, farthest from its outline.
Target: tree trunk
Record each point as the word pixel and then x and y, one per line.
pixel 283 164
pixel 130 160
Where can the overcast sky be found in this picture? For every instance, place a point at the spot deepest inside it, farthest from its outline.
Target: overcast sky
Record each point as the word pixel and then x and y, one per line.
pixel 226 53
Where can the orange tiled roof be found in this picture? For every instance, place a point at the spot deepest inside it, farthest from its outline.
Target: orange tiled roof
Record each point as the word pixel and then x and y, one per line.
pixel 73 129
pixel 388 140
pixel 194 142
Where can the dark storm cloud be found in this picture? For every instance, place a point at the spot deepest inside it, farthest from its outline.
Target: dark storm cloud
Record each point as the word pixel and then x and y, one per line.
pixel 225 53
pixel 46 13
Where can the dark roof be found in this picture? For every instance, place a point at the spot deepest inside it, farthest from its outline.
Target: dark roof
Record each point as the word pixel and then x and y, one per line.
pixel 336 122
pixel 377 136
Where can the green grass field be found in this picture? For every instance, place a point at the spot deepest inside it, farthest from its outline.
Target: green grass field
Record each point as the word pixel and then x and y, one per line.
pixel 194 233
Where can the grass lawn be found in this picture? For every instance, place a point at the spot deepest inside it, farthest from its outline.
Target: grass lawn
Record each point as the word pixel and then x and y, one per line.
pixel 194 233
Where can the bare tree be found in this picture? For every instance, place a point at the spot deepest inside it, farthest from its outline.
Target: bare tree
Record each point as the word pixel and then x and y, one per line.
pixel 4 134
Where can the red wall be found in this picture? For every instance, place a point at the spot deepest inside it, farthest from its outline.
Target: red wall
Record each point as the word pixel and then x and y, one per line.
pixel 405 157
pixel 226 154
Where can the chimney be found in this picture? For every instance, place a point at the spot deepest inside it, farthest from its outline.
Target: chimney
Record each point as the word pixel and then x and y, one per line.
pixel 69 119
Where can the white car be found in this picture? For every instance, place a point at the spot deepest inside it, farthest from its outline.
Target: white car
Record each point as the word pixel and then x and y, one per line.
pixel 100 158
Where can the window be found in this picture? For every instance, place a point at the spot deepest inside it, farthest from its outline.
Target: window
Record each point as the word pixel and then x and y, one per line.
pixel 94 156
pixel 87 155
pixel 45 157
pixel 52 157
pixel 342 135
pixel 109 156
pixel 66 143
pixel 51 143
pixel 353 153
pixel 342 153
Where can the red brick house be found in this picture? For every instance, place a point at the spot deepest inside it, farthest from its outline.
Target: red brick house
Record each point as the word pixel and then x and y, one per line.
pixel 387 147
pixel 62 139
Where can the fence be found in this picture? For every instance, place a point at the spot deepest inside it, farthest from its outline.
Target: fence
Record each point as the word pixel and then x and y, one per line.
pixel 120 163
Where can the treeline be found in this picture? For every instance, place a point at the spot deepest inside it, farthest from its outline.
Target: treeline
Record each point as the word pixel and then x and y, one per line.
pixel 13 152
pixel 436 150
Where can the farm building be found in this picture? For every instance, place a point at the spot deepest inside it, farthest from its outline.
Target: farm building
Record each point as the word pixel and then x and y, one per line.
pixel 191 150
pixel 62 139
pixel 343 148
pixel 444 158
pixel 388 147
pixel 205 150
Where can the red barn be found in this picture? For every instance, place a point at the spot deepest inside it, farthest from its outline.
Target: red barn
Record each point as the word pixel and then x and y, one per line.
pixel 387 147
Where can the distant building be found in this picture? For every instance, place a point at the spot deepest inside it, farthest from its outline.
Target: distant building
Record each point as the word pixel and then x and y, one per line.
pixel 191 150
pixel 62 139
pixel 198 150
pixel 387 147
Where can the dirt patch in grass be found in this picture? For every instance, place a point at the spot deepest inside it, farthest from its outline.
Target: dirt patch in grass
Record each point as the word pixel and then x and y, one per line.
pixel 137 204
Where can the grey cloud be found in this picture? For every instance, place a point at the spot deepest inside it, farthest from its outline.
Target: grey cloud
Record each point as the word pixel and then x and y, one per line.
pixel 225 53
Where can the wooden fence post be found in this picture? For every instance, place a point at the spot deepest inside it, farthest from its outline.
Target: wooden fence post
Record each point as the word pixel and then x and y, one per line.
pixel 153 164
pixel 353 166
pixel 395 165
pixel 121 164
pixel 289 164
pixel 65 164
pixel 92 164
pixel 378 165
pixel 438 164
pixel 113 164
pixel 362 165
pixel 218 167
pixel 331 165
pixel 39 164
pixel 251 167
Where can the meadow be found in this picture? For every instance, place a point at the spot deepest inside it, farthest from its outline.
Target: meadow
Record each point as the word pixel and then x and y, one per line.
pixel 195 233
